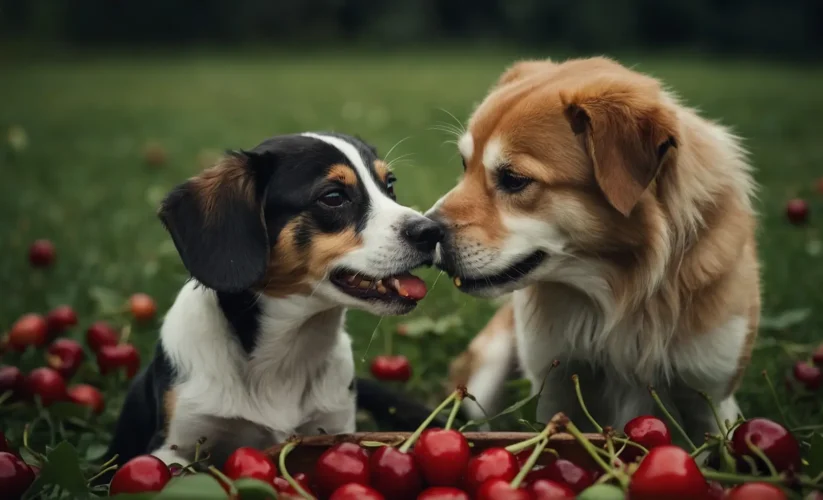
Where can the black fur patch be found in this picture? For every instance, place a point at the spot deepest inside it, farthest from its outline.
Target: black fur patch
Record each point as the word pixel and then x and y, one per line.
pixel 243 314
pixel 141 427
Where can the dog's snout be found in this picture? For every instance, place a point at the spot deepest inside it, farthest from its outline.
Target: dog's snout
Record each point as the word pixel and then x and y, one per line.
pixel 424 234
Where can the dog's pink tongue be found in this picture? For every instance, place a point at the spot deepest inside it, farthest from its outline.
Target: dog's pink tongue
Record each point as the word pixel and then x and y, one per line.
pixel 414 287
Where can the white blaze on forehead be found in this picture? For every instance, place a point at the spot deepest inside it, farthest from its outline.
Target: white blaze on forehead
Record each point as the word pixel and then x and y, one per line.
pixel 466 145
pixel 382 232
pixel 493 153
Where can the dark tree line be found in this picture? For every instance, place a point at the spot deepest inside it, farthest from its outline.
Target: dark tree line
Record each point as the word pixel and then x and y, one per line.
pixel 756 26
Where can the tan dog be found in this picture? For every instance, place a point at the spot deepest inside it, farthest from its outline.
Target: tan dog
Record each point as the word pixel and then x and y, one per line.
pixel 623 223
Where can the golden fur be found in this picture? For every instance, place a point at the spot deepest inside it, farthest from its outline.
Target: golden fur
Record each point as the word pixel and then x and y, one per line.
pixel 655 200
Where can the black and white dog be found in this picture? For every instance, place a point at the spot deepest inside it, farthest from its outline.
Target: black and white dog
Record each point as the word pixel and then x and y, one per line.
pixel 279 240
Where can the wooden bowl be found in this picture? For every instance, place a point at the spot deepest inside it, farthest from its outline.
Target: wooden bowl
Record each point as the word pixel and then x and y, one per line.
pixel 305 455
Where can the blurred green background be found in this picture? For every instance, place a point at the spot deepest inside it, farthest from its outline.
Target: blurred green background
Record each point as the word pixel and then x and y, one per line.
pixel 119 100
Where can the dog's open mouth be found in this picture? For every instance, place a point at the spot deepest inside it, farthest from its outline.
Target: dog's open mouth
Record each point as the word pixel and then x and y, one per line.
pixel 508 275
pixel 403 287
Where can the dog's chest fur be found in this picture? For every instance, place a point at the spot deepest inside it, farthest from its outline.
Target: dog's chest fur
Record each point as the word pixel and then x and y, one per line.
pixel 554 321
pixel 293 376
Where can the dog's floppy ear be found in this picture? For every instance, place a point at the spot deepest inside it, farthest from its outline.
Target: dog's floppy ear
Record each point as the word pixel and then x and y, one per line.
pixel 216 221
pixel 628 137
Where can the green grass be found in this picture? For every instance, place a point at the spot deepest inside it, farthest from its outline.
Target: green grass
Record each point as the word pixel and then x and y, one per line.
pixel 83 182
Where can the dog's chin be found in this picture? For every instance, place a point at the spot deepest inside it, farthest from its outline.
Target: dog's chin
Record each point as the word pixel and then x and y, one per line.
pixel 515 276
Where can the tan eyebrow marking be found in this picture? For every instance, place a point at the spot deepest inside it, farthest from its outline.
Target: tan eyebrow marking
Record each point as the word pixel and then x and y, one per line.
pixel 342 173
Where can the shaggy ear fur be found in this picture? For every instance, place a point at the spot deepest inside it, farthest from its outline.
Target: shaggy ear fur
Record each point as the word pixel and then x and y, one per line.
pixel 627 136
pixel 216 221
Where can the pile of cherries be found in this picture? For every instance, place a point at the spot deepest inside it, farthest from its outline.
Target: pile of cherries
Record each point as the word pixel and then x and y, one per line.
pixel 63 357
pixel 756 459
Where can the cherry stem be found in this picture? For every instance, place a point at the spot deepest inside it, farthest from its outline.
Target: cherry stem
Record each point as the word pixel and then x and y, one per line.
pixel 762 456
pixel 700 449
pixel 670 418
pixel 5 397
pixel 592 451
pixel 629 442
pixel 550 429
pixel 518 479
pixel 225 480
pixel 457 401
pixel 577 390
pixel 26 431
pixel 404 448
pixel 733 478
pixel 776 399
pixel 103 471
pixel 110 461
pixel 610 447
pixel 282 463
pixel 191 466
pixel 721 426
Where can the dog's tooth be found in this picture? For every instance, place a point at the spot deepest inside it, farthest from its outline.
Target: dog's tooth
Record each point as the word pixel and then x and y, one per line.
pixel 457 281
pixel 380 287
pixel 364 284
pixel 397 286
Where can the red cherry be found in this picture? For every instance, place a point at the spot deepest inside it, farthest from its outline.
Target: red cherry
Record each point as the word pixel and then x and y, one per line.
pixel 797 211
pixel 341 464
pixel 48 384
pixel 283 486
pixel 394 473
pixel 355 491
pixel 12 379
pixel 491 463
pixel 716 491
pixel 60 319
pixel 546 489
pixel 248 462
pixel 112 357
pixel 41 253
pixel 391 368
pixel 646 431
pixel 572 475
pixel 30 329
pixel 443 493
pixel 536 472
pixel 100 334
pixel 15 476
pixel 140 474
pixel 442 456
pixel 817 357
pixel 670 473
pixel 776 442
pixel 142 307
pixel 499 489
pixel 86 395
pixel 65 356
pixel 756 491
pixel 809 375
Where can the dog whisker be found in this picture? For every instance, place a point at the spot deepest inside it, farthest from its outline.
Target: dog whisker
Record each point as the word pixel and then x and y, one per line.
pixel 371 339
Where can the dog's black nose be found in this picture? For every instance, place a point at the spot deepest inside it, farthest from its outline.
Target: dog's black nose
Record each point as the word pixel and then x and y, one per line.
pixel 423 234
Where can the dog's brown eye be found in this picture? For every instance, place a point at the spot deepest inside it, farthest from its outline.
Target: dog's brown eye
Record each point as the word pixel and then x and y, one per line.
pixel 510 182
pixel 390 180
pixel 334 198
